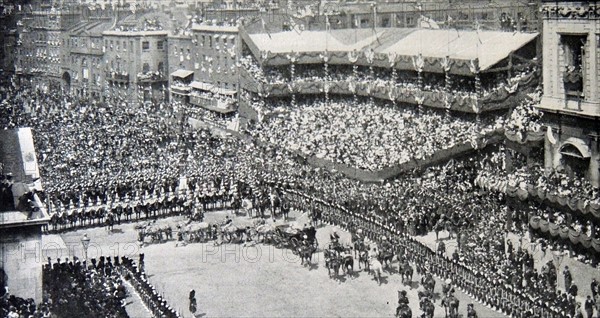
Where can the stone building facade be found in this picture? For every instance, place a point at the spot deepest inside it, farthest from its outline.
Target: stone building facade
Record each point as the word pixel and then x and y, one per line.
pixel 571 97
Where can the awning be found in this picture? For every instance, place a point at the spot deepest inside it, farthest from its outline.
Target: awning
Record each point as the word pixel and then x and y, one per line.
pixel 216 36
pixel 231 37
pixel 202 86
pixel 575 147
pixel 489 47
pixel 222 110
pixel 224 91
pixel 182 73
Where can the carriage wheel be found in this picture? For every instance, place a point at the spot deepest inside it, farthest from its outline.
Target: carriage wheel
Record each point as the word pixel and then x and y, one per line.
pixel 294 244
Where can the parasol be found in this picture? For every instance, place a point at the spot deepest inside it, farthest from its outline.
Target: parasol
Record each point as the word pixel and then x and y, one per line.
pixel 291 230
pixel 265 228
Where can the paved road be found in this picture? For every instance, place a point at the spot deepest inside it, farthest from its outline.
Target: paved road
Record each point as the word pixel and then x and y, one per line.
pixel 258 281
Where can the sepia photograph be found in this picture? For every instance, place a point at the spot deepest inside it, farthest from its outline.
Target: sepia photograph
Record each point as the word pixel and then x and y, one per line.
pixel 299 158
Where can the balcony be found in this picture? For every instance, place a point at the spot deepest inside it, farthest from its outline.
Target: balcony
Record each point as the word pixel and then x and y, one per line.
pixel 151 77
pixel 117 77
pixel 181 90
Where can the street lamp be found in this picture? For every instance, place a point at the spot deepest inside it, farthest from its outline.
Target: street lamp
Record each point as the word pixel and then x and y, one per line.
pixel 85 241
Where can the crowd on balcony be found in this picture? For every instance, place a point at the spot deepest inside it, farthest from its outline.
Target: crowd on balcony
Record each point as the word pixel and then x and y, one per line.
pixel 221 120
pixel 212 97
pixel 366 136
pixel 462 86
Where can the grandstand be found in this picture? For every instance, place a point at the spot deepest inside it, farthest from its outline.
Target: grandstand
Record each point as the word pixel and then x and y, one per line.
pixel 406 69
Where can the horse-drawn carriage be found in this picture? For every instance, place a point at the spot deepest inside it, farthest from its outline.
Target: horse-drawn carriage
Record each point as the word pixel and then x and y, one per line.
pixel 157 234
pixel 288 236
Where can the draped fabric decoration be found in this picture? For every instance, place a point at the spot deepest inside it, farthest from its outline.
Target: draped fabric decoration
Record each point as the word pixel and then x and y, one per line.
pixel 550 136
pixel 563 233
pixel 582 205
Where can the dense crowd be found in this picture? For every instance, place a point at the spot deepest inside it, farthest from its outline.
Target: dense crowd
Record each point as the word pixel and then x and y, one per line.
pixel 366 136
pixel 156 150
pixel 385 77
pixel 74 288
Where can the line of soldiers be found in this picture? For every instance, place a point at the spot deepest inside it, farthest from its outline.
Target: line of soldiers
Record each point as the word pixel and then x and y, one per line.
pixel 478 284
pixel 153 300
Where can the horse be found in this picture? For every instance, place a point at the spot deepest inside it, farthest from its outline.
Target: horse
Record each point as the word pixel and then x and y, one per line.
pixel 403 311
pixel 332 262
pixel 363 258
pixel 306 252
pixel 110 221
pixel 406 272
pixel 450 304
pixel 348 264
pixel 386 255
pixel 428 309
pixel 376 268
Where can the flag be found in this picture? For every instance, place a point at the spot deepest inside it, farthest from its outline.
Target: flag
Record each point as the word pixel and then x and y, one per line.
pixel 477 29
pixel 264 26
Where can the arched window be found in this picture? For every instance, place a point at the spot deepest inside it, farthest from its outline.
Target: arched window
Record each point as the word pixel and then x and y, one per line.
pixel 146 68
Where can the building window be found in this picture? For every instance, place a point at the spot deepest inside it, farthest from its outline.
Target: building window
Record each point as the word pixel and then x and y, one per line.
pixel 160 45
pixel 145 45
pixel 146 68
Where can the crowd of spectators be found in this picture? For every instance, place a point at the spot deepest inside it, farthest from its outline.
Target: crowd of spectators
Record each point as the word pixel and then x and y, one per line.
pixel 75 288
pixel 408 80
pixel 365 136
pixel 16 307
pixel 416 203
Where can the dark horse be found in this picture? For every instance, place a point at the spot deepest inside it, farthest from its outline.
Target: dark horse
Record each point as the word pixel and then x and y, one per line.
pixel 306 252
pixel 332 262
pixel 406 271
pixel 450 304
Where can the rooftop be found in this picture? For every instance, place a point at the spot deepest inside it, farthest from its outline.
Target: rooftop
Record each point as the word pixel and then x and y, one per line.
pixel 439 43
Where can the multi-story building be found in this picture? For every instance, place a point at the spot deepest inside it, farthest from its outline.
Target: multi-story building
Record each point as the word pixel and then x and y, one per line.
pixel 571 77
pixel 39 42
pixel 182 63
pixel 82 71
pixel 136 64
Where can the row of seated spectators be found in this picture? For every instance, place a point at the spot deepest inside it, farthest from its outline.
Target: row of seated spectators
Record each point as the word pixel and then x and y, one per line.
pixel 459 85
pixel 366 136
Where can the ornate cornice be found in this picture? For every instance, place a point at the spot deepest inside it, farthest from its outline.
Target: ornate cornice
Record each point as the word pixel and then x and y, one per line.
pixel 570 12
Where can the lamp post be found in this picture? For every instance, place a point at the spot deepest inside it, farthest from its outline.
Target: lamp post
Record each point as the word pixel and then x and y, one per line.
pixel 85 241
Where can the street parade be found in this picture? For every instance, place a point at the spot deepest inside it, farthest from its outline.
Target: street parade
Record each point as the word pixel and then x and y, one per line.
pixel 349 178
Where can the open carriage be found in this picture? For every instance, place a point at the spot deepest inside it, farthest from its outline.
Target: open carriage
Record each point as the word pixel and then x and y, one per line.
pixel 288 236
